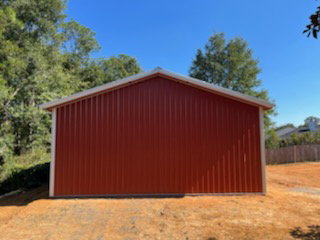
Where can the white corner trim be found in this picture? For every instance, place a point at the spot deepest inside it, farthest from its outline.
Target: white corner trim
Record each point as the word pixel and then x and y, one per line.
pixel 182 78
pixel 263 150
pixel 53 152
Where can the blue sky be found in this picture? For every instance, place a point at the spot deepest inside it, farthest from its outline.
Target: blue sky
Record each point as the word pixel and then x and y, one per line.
pixel 168 33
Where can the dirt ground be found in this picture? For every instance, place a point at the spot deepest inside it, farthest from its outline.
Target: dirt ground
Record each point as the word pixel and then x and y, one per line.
pixel 293 200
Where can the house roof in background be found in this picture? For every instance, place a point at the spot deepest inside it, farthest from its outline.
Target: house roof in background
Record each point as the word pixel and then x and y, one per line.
pixel 161 72
pixel 288 131
pixel 285 131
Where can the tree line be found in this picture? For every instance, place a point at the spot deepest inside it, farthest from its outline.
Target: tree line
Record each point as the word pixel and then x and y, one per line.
pixel 44 56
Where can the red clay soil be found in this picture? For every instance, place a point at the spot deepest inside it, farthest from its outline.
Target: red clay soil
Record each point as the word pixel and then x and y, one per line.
pixel 293 200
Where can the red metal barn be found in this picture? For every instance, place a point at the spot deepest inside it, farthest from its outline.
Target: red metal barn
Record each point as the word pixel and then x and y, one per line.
pixel 157 133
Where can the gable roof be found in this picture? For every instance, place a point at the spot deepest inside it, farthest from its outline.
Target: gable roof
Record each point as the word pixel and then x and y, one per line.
pixel 160 72
pixel 285 131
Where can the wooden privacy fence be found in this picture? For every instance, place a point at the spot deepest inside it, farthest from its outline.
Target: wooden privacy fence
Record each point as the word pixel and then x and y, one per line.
pixel 299 153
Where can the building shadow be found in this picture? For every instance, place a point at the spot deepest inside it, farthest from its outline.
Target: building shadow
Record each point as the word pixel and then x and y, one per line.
pixel 29 184
pixel 26 196
pixel 124 196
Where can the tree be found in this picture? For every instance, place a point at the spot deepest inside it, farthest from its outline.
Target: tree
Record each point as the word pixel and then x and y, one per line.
pixel 78 43
pixel 314 26
pixel 314 119
pixel 44 57
pixel 301 138
pixel 272 140
pixel 230 65
pixel 32 67
pixel 7 19
pixel 100 71
pixel 288 125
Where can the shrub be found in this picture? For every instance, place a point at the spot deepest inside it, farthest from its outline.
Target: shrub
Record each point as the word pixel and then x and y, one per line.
pixel 25 178
pixel 35 156
pixel 25 171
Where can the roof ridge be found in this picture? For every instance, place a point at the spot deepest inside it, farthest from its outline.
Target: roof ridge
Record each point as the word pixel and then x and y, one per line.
pixel 186 79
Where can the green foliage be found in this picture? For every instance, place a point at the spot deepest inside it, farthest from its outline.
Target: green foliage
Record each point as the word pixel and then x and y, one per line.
pixel 301 138
pixel 100 71
pixel 6 143
pixel 25 178
pixel 41 18
pixel 27 170
pixel 230 65
pixel 272 140
pixel 80 42
pixel 43 57
pixel 31 68
pixel 314 119
pixel 314 26
pixel 35 156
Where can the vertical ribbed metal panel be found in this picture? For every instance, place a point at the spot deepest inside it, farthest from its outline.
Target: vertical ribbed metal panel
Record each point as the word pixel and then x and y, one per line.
pixel 157 137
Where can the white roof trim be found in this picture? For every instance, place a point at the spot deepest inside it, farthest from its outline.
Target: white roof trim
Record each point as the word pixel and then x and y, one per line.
pixel 192 81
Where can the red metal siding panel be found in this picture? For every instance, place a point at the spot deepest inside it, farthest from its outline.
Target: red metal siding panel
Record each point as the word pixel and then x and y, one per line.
pixel 157 136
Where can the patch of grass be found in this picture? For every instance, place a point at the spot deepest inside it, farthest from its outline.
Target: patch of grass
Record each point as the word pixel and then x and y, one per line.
pixel 34 157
